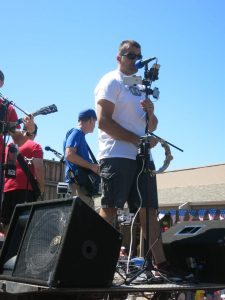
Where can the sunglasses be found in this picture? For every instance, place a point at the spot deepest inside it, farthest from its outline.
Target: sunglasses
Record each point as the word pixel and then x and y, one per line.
pixel 132 56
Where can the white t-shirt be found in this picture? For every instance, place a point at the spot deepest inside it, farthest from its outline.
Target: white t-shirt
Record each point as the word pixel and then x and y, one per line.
pixel 128 113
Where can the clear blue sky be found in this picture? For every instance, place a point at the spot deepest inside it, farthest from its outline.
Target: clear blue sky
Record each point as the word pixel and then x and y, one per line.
pixel 56 51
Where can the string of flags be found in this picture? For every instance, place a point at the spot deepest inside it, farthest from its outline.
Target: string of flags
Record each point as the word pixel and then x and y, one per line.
pixel 125 218
pixel 189 215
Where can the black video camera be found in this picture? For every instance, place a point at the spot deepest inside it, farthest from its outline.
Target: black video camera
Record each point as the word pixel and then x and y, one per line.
pixel 153 73
pixel 149 76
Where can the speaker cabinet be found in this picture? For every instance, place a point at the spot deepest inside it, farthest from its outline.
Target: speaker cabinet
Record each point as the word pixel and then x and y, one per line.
pixel 198 246
pixel 60 243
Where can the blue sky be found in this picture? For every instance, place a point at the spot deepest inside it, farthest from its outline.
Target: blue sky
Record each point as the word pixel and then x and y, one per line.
pixel 56 52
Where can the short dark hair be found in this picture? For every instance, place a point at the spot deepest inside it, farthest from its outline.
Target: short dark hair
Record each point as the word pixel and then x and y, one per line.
pixel 126 44
pixel 2 77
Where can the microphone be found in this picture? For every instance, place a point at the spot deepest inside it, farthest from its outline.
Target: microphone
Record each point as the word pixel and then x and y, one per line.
pixel 57 154
pixel 47 148
pixel 141 63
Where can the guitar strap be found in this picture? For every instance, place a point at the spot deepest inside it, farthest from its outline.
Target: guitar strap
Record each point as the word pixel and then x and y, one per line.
pixel 30 176
pixel 92 155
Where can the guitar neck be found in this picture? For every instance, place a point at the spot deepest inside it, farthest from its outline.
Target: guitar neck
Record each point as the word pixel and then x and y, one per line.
pixel 43 111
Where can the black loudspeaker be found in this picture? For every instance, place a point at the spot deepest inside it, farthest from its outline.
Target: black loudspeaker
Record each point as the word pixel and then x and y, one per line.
pixel 60 243
pixel 198 246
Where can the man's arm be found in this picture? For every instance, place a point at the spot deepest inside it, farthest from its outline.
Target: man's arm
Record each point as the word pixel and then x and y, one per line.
pixel 73 157
pixel 39 173
pixel 106 123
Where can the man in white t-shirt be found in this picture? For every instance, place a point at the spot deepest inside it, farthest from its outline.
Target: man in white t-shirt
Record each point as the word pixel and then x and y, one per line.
pixel 121 113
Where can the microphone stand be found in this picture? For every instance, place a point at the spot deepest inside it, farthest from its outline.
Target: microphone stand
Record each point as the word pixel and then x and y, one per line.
pixel 2 162
pixel 145 155
pixel 6 101
pixel 148 258
pixel 61 160
pixel 145 146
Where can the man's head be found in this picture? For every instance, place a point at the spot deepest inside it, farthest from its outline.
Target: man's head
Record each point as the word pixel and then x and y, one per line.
pixel 86 120
pixel 2 78
pixel 129 52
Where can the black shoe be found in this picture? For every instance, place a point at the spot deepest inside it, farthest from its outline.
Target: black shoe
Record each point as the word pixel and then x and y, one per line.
pixel 174 273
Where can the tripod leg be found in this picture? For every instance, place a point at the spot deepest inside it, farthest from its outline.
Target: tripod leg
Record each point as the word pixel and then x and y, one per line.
pixel 154 239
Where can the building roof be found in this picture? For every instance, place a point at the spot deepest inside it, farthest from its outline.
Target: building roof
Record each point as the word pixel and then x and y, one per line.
pixel 202 186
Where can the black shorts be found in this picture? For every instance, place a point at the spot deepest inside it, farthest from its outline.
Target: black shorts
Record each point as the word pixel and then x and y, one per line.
pixel 11 199
pixel 125 180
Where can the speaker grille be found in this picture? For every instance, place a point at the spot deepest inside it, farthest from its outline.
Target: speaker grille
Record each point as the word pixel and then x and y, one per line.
pixel 62 243
pixel 42 242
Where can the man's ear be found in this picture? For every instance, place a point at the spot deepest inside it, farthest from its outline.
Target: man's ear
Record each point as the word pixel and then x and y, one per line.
pixel 118 58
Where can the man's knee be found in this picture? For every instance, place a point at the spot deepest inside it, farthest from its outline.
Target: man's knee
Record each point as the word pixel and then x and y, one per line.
pixel 108 214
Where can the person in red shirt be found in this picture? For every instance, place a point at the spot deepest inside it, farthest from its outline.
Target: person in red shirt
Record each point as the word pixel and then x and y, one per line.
pixel 9 115
pixel 19 190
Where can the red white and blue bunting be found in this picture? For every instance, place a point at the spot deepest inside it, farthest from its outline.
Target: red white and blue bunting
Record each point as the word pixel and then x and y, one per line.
pixel 194 214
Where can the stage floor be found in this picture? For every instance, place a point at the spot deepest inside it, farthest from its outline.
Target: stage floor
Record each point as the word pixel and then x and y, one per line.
pixel 14 290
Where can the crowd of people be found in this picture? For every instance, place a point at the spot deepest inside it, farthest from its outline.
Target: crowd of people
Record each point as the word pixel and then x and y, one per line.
pixel 121 112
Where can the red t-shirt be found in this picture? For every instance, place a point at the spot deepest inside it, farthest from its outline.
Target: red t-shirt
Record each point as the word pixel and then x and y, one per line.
pixel 29 149
pixel 11 117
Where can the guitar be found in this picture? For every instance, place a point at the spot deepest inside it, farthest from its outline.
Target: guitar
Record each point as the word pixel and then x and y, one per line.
pixel 5 128
pixel 42 111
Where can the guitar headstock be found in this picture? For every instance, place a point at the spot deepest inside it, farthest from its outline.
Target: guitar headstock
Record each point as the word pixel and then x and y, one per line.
pixel 46 110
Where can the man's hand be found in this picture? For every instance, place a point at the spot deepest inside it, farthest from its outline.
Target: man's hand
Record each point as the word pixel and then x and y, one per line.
pixel 153 141
pixel 147 106
pixel 28 122
pixel 95 168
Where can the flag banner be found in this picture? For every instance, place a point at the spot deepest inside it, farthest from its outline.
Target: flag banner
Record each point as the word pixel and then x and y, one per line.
pixel 192 214
pixel 181 214
pixel 173 215
pixel 212 213
pixel 222 214
pixel 201 214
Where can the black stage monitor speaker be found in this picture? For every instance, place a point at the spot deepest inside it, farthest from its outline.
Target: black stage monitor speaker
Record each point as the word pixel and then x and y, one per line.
pixel 198 246
pixel 60 243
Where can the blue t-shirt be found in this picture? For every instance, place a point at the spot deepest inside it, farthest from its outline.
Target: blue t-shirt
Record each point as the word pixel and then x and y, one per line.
pixel 75 138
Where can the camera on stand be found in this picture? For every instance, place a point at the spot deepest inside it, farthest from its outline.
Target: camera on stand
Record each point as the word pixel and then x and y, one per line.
pixel 63 190
pixel 151 75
